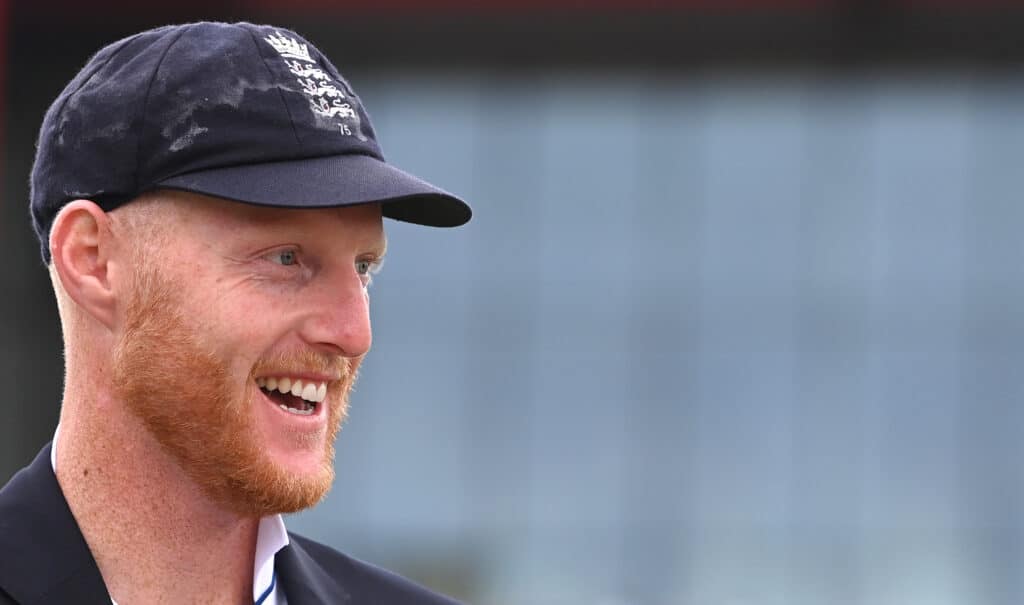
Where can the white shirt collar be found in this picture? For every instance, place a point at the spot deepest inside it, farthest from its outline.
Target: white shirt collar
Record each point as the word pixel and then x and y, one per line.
pixel 270 538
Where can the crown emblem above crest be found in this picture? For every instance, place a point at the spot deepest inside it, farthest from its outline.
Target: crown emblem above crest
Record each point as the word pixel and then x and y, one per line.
pixel 289 47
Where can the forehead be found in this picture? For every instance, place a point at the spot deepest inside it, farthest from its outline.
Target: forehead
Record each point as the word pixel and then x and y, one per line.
pixel 186 214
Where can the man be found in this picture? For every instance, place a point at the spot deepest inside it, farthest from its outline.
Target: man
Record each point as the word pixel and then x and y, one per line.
pixel 209 201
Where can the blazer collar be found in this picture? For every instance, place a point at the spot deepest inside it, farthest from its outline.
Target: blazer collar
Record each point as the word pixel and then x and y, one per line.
pixel 304 581
pixel 43 557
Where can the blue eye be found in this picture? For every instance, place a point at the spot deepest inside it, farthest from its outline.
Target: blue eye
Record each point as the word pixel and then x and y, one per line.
pixel 285 257
pixel 366 268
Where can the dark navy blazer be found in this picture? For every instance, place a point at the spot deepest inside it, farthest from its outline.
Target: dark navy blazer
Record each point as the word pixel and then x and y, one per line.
pixel 44 558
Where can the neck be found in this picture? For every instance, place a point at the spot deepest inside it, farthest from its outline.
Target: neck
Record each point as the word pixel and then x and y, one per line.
pixel 156 538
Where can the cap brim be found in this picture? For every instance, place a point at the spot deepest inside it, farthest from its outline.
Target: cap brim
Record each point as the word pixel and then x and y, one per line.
pixel 330 181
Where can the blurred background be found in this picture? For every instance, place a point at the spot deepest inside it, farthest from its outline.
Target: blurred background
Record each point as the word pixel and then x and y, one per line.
pixel 739 318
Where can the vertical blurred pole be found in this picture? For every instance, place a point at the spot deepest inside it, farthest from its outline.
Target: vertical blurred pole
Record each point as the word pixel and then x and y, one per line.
pixel 5 40
pixel 7 441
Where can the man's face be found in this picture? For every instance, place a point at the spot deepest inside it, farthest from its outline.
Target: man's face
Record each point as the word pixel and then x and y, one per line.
pixel 238 304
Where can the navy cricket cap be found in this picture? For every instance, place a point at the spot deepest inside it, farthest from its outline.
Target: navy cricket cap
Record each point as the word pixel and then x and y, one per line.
pixel 245 112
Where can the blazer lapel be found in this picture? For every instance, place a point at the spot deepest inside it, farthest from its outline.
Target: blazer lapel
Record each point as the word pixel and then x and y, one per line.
pixel 43 557
pixel 304 581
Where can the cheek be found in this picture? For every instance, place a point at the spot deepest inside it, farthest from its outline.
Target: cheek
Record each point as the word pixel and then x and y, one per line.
pixel 240 317
pixel 242 327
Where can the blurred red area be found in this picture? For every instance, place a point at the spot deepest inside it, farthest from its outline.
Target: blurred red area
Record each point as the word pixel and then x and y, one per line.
pixel 58 8
pixel 60 12
pixel 63 9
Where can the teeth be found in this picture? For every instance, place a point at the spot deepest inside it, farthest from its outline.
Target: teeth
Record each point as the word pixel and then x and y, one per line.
pixel 308 393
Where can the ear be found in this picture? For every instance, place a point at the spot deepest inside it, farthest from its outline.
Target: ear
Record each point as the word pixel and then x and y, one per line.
pixel 80 247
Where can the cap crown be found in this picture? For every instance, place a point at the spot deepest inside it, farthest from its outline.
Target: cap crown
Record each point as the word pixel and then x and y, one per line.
pixel 186 98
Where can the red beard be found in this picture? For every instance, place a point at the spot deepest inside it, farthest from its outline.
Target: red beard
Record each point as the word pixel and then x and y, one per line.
pixel 186 397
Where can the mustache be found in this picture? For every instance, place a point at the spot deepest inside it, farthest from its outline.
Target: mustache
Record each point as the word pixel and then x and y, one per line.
pixel 336 367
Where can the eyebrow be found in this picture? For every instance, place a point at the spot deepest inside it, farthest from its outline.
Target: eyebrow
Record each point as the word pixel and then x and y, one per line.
pixel 275 220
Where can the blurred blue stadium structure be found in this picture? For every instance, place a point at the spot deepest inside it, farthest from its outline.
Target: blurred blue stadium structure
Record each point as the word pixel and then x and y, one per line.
pixel 736 338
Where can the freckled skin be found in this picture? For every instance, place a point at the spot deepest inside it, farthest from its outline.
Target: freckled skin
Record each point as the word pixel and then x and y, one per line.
pixel 169 514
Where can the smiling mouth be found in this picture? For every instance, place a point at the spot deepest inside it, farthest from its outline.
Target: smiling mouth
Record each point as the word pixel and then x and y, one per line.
pixel 294 395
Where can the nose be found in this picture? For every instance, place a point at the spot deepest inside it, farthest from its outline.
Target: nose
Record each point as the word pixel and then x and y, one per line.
pixel 339 320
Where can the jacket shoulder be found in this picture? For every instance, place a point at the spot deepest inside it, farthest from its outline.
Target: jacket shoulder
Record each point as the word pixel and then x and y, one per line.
pixel 364 582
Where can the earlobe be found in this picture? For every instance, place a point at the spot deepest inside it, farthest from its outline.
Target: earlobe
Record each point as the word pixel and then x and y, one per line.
pixel 80 242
